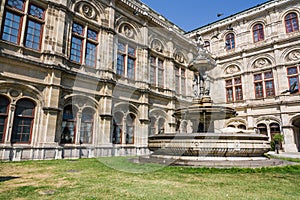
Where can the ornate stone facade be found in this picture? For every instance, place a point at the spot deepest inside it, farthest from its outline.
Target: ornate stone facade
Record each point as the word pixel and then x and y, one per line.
pixel 95 78
pixel 256 74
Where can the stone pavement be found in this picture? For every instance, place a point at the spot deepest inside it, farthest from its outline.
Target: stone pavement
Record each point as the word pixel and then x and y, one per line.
pixel 285 154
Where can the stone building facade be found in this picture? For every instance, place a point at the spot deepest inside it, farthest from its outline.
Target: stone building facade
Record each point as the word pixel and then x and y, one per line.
pixel 257 52
pixel 88 78
pixel 94 78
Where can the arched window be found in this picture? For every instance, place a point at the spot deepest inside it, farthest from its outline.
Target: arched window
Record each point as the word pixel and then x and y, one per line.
pixel 4 104
pixel 258 33
pixel 152 126
pixel 23 121
pixel 161 126
pixel 231 126
pixel 69 124
pixel 274 128
pixel 130 120
pixel 262 129
pixel 117 128
pixel 291 22
pixel 86 126
pixel 207 45
pixel 230 41
pixel 184 127
pixel 242 126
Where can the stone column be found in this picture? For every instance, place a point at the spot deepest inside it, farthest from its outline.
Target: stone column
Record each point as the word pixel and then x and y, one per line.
pixel 289 140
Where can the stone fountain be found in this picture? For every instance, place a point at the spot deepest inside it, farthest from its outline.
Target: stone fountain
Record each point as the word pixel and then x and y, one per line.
pixel 205 143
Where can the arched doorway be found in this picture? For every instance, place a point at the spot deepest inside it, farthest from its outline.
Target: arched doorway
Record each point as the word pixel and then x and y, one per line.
pixel 296 129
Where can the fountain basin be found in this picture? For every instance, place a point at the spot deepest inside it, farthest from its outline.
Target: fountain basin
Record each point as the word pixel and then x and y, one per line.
pixel 209 144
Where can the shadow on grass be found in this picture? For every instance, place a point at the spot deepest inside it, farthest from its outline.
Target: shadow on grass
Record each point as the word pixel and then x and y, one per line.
pixel 7 178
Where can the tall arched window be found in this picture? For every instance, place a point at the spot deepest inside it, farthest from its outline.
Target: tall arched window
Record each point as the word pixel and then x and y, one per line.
pixel 161 125
pixel 117 128
pixel 69 124
pixel 230 41
pixel 4 104
pixel 258 33
pixel 262 129
pixel 86 126
pixel 130 121
pixel 23 121
pixel 291 22
pixel 274 128
pixel 152 125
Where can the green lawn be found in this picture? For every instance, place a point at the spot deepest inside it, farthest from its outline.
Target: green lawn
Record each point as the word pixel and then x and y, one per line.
pixel 116 178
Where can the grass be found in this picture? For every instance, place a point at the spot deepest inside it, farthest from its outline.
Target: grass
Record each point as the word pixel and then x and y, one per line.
pixel 116 178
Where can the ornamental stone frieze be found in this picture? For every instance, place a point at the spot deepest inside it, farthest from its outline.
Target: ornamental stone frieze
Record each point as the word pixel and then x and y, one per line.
pixel 294 55
pixel 232 69
pixel 261 63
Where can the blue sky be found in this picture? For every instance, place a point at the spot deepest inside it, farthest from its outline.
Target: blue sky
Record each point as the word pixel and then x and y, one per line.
pixel 191 14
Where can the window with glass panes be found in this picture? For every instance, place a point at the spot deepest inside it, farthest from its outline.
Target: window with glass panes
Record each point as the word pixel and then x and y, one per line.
pixel 180 80
pixel 293 79
pixel 86 125
pixel 117 128
pixel 258 33
pixel 156 71
pixel 23 121
pixel 130 128
pixel 84 44
pixel 264 84
pixel 291 22
pixel 234 90
pixel 4 106
pixel 126 58
pixel 69 124
pixel 17 13
pixel 230 41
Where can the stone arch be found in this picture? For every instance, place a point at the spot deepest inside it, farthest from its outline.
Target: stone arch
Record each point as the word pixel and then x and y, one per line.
pixel 80 101
pixel 268 119
pixel 158 115
pixel 258 21
pixel 260 62
pixel 283 14
pixel 236 122
pixel 295 123
pixel 232 68
pixel 291 54
pixel 16 91
pixel 179 56
pixel 92 10
pixel 129 29
pixel 157 45
pixel 125 108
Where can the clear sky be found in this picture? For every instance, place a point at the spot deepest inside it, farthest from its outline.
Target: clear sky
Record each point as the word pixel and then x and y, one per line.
pixel 192 14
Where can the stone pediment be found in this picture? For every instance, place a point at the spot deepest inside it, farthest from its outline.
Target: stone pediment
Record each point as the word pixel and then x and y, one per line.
pixel 232 69
pixel 261 63
pixel 293 55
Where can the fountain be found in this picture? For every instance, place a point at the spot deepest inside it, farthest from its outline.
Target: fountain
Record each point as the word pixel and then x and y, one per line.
pixel 205 144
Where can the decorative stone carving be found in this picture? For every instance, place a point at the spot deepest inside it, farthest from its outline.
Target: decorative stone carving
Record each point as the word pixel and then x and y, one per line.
pixel 179 57
pixel 14 93
pixel 261 62
pixel 88 11
pixel 127 30
pixel 294 55
pixel 232 69
pixel 157 45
